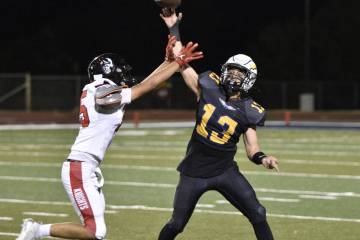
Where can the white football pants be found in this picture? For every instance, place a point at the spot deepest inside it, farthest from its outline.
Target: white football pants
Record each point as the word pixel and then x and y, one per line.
pixel 81 182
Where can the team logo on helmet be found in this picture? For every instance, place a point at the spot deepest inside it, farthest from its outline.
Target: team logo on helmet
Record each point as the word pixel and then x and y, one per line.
pixel 107 65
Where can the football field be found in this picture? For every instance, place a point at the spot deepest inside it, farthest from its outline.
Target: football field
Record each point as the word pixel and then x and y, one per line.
pixel 316 195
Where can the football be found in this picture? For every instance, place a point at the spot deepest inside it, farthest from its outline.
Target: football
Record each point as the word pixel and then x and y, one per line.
pixel 168 3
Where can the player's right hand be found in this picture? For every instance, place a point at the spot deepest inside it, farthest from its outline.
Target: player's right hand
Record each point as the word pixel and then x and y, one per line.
pixel 187 54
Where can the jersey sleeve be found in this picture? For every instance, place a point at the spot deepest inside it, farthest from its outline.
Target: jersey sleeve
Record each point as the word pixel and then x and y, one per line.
pixel 126 96
pixel 255 113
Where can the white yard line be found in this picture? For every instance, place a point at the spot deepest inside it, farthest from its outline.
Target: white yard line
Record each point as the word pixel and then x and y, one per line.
pixel 8 234
pixel 306 192
pixel 268 142
pixel 6 219
pixel 147 208
pixel 303 175
pixel 318 197
pixel 181 146
pixel 321 162
pixel 22 201
pixel 112 166
pixel 168 185
pixel 47 214
pixel 205 205
pixel 270 199
pixel 180 152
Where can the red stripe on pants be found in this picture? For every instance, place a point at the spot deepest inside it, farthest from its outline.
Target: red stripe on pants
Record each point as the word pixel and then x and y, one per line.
pixel 81 197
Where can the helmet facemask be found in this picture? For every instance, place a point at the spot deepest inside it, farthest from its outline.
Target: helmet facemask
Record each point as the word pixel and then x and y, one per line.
pixel 235 79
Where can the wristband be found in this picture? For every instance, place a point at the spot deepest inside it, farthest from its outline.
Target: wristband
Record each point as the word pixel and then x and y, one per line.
pixel 257 157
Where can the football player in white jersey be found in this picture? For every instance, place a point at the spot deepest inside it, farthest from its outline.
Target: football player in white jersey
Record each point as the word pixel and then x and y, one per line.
pixel 101 112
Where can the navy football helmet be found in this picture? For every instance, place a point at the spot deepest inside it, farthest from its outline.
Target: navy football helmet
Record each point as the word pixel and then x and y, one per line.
pixel 113 67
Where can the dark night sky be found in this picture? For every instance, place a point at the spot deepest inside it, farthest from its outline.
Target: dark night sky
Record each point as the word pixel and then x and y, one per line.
pixel 61 37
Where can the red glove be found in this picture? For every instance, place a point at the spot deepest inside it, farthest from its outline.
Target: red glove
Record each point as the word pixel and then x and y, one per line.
pixel 187 54
pixel 169 53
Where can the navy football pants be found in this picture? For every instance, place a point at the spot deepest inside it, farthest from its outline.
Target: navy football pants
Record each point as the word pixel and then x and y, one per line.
pixel 232 185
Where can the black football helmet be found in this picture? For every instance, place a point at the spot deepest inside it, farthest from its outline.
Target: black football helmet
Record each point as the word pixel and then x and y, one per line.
pixel 113 67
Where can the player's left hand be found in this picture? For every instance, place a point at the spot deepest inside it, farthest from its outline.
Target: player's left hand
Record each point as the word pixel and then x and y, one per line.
pixel 271 162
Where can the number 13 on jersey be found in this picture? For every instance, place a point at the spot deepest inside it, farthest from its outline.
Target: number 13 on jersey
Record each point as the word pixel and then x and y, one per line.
pixel 220 138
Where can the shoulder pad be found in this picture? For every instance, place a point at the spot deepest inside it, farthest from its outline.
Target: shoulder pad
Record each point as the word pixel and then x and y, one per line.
pixel 255 113
pixel 108 98
pixel 209 79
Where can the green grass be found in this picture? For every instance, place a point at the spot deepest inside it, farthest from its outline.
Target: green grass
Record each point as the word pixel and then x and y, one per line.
pixel 315 196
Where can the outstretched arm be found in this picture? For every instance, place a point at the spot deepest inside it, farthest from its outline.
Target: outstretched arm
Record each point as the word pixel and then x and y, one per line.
pixel 166 69
pixel 253 151
pixel 172 21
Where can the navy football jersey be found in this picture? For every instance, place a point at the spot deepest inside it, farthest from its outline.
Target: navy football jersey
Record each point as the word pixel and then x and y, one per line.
pixel 219 125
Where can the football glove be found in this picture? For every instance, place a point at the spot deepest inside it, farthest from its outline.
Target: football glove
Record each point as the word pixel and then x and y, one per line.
pixel 187 54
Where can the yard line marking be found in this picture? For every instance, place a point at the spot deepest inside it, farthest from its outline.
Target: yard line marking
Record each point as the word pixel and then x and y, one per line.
pixel 167 185
pixel 35 179
pixel 30 164
pixel 205 205
pixel 333 219
pixel 146 208
pixel 318 197
pixel 141 184
pixel 110 166
pixel 180 152
pixel 46 214
pixel 321 162
pixel 306 192
pixel 113 166
pixel 9 234
pixel 270 199
pixel 17 234
pixel 305 175
pixel 111 211
pixel 6 219
pixel 21 201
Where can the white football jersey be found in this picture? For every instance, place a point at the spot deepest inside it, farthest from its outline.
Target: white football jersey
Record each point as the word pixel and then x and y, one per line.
pixel 97 130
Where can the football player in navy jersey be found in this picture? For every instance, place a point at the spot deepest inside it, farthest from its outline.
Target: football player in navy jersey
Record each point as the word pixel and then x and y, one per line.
pixel 224 113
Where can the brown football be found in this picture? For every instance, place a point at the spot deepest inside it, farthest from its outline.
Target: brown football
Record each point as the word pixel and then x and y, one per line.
pixel 168 3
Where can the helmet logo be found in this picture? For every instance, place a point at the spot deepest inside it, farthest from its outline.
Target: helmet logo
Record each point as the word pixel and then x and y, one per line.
pixel 107 65
pixel 253 66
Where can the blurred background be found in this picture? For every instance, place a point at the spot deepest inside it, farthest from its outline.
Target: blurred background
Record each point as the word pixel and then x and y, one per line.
pixel 306 52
